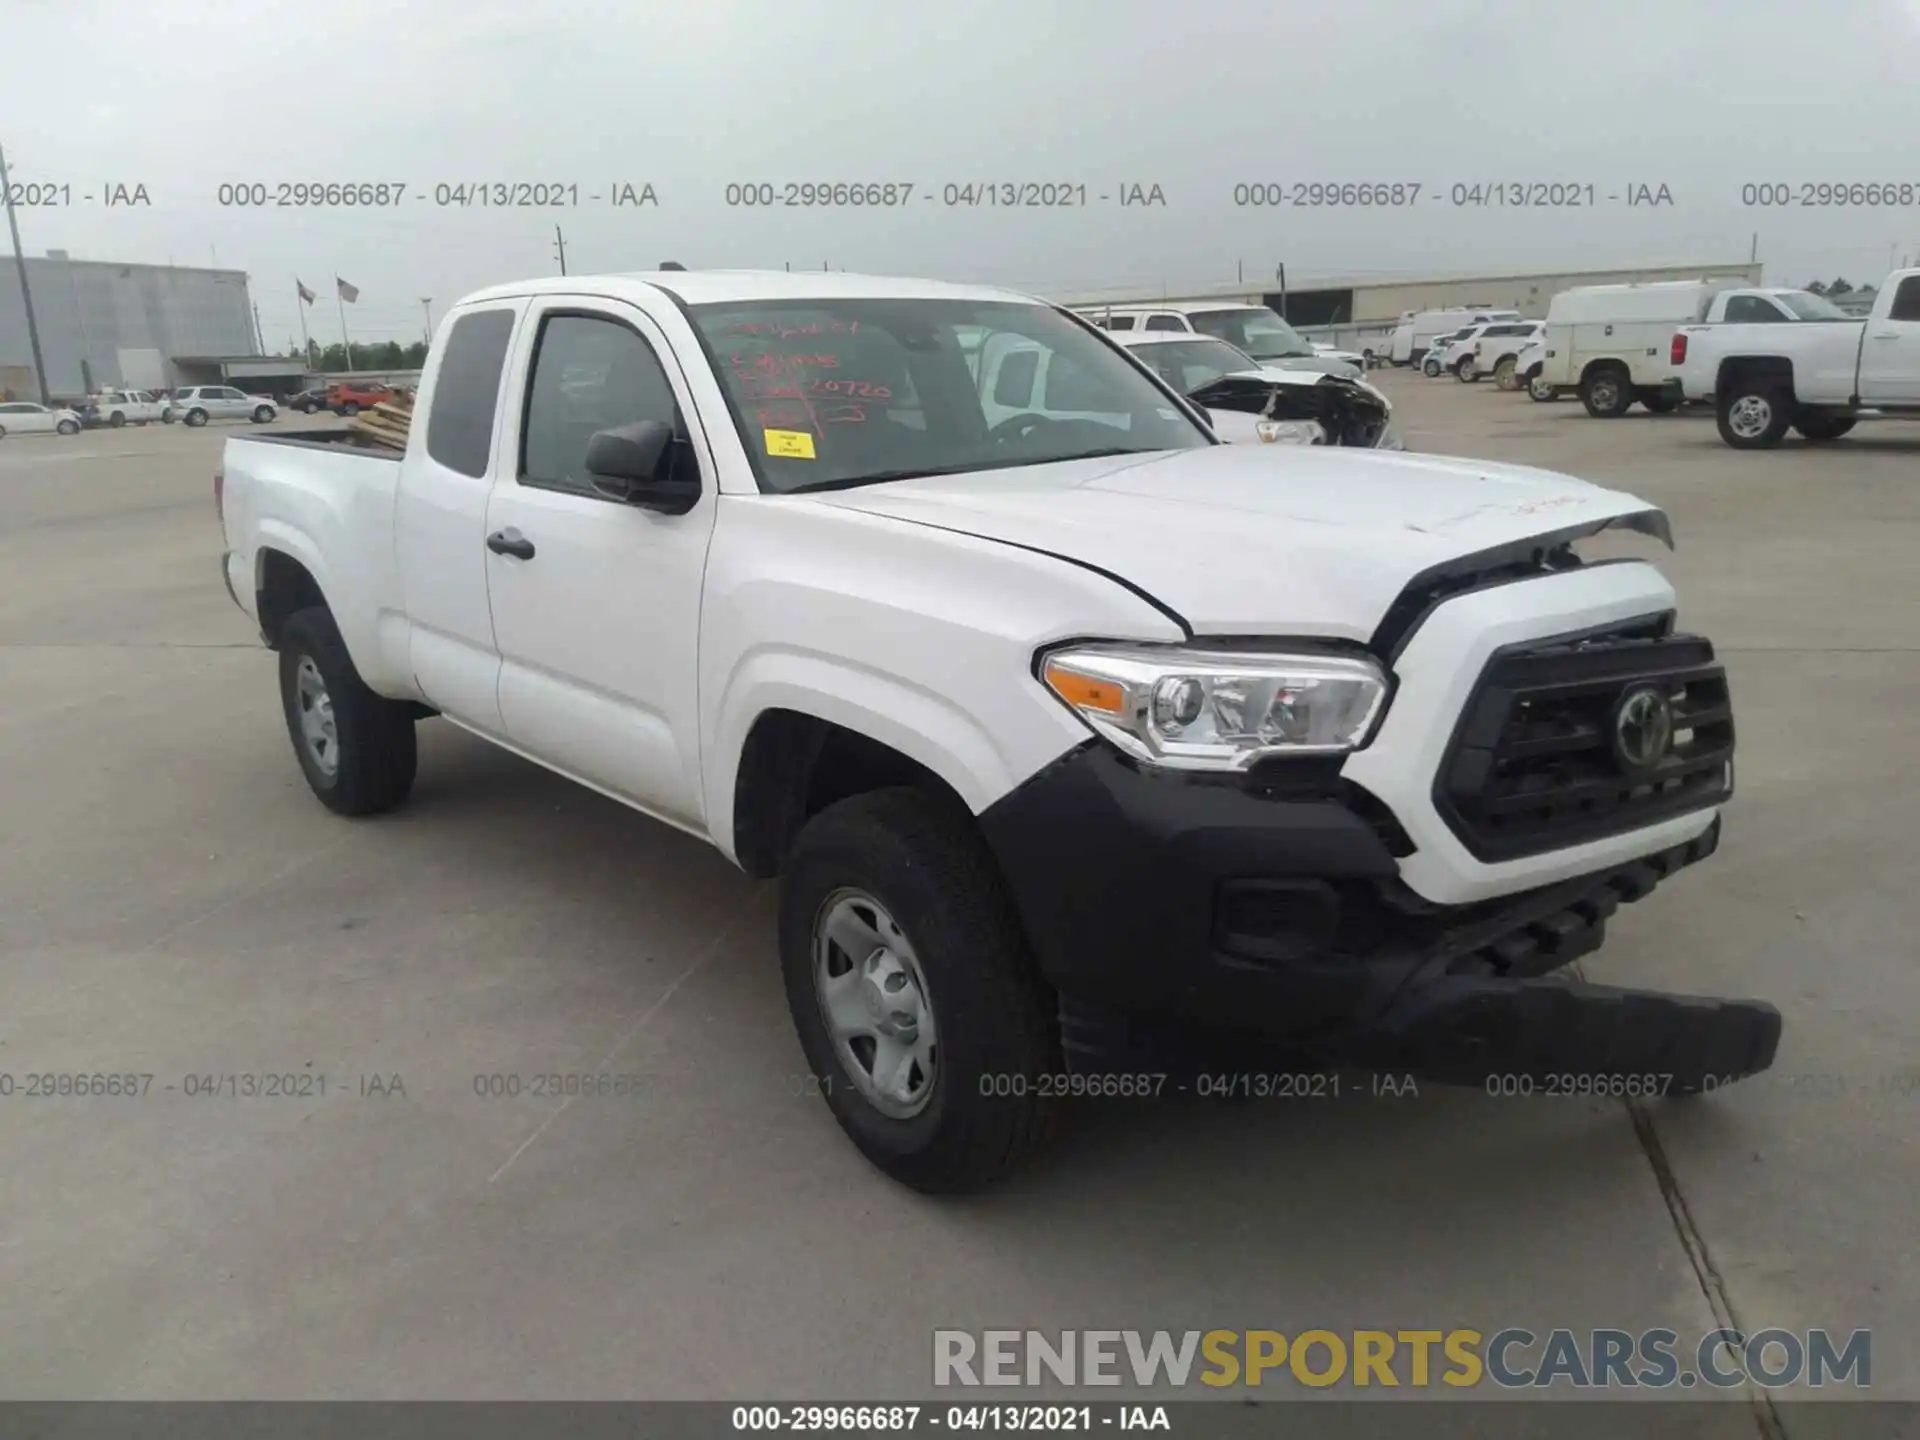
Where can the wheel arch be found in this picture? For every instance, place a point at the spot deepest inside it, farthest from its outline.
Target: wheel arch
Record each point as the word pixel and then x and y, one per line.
pixel 1738 369
pixel 793 765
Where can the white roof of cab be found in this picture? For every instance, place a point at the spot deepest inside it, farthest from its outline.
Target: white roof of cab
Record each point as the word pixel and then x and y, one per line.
pixel 703 287
pixel 1163 337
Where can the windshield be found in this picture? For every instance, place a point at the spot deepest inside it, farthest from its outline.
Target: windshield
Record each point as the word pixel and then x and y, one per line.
pixel 1805 305
pixel 1256 330
pixel 1187 365
pixel 840 392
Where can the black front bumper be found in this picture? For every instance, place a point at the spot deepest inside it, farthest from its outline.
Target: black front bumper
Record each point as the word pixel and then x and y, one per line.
pixel 1240 914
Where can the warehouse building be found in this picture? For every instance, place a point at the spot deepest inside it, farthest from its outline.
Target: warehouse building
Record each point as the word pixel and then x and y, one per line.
pixel 105 323
pixel 1353 310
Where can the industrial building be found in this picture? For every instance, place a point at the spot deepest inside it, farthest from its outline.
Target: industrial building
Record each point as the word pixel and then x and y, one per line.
pixel 106 323
pixel 1354 310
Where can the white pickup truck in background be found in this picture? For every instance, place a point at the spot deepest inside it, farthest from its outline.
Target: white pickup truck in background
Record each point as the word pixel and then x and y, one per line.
pixel 1076 741
pixel 1783 362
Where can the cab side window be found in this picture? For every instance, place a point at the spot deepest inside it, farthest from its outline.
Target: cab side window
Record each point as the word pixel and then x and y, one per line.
pixel 1013 387
pixel 1906 300
pixel 590 374
pixel 1164 322
pixel 1119 322
pixel 1752 310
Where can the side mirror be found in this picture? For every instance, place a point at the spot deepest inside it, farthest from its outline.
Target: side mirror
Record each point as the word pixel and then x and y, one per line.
pixel 634 465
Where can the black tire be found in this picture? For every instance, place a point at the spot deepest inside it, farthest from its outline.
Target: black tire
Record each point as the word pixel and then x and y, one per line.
pixel 262 414
pixel 116 420
pixel 1430 368
pixel 350 409
pixel 1764 404
pixel 375 748
pixel 1661 402
pixel 194 418
pixel 1819 429
pixel 1465 372
pixel 65 427
pixel 1506 374
pixel 995 1021
pixel 1607 392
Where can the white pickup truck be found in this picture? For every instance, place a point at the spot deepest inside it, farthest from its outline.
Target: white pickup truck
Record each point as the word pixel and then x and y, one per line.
pixel 1087 751
pixel 1805 365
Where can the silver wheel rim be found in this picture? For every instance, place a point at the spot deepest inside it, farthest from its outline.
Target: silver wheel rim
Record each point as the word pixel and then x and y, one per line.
pixel 1606 394
pixel 1749 416
pixel 1537 388
pixel 317 729
pixel 1503 375
pixel 875 1004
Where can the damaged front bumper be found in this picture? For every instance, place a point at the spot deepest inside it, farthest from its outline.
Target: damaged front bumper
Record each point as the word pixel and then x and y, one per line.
pixel 1201 926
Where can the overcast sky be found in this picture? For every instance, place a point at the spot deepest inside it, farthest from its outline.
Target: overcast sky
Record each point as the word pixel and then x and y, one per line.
pixel 1702 96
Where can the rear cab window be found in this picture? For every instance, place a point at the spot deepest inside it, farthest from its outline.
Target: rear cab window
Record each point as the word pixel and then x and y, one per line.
pixel 466 391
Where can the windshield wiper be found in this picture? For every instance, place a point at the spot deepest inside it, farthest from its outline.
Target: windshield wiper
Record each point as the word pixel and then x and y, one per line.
pixel 881 477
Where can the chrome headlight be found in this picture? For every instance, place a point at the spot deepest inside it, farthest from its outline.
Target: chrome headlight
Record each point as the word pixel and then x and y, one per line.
pixel 1291 432
pixel 1217 710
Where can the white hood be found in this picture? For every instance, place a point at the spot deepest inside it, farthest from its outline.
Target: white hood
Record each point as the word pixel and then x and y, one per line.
pixel 1257 540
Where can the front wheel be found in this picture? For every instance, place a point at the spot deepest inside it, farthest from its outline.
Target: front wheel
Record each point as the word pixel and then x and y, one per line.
pixel 1506 374
pixel 350 409
pixel 1753 414
pixel 1430 368
pixel 925 1026
pixel 116 420
pixel 1821 428
pixel 356 748
pixel 1465 372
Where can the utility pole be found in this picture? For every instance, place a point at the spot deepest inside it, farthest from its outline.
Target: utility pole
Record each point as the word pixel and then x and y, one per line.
pixel 26 295
pixel 259 338
pixel 560 248
pixel 426 304
pixel 1281 274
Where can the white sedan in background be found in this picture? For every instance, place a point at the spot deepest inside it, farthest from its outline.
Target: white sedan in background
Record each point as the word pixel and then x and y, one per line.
pixel 1250 403
pixel 23 417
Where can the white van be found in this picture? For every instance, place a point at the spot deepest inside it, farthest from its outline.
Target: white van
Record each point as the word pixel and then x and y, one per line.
pixel 1610 343
pixel 1417 329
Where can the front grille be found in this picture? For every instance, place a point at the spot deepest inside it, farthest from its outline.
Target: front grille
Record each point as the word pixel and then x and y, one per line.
pixel 1535 764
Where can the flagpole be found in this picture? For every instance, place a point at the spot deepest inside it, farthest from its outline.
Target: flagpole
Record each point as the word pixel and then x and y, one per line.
pixel 340 301
pixel 300 304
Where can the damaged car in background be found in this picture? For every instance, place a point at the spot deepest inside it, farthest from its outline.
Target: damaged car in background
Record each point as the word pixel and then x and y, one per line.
pixel 1248 403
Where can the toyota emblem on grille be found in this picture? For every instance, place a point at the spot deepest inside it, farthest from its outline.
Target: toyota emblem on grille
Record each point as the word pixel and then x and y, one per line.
pixel 1642 729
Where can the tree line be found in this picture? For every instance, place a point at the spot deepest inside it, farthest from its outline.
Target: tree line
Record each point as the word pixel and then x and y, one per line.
pixel 389 355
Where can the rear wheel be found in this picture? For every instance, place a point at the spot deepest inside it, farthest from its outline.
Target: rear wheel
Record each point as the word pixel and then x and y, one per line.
pixel 195 418
pixel 1754 413
pixel 1606 393
pixel 356 748
pixel 1822 428
pixel 65 427
pixel 262 414
pixel 924 1023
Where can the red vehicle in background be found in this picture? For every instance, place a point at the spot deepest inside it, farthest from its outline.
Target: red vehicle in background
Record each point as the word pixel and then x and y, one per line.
pixel 349 397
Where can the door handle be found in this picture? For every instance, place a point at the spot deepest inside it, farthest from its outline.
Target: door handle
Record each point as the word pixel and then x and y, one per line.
pixel 510 542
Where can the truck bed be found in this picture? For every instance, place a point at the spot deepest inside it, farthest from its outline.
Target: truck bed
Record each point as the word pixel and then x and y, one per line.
pixel 333 440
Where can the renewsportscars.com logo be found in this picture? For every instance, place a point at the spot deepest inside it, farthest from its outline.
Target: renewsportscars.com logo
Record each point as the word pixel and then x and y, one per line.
pixel 1460 1358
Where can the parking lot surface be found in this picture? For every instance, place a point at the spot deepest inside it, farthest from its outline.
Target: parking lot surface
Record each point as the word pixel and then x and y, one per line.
pixel 175 904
